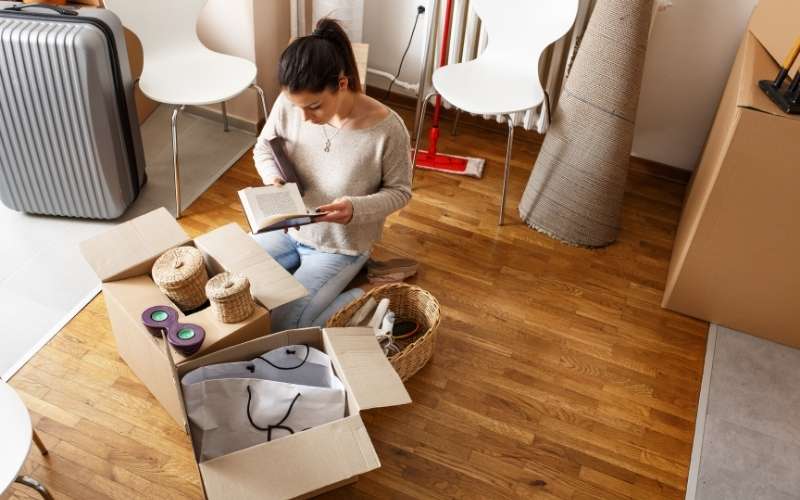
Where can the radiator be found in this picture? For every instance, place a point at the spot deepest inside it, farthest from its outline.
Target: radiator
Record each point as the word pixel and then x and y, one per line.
pixel 467 41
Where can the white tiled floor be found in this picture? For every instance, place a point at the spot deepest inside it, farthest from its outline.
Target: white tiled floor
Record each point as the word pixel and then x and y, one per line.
pixel 43 278
pixel 751 433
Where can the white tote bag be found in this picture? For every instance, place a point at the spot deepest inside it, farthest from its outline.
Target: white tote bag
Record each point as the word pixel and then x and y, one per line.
pixel 237 405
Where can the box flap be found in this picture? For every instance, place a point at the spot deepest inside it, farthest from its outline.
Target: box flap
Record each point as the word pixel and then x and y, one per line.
pixel 294 465
pixel 229 248
pixel 757 65
pixel 360 361
pixel 130 248
pixel 775 23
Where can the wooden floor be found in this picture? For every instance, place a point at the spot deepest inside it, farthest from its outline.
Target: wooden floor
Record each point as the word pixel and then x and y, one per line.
pixel 557 374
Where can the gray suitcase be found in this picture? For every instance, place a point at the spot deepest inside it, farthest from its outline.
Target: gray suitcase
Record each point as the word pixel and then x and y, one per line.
pixel 69 136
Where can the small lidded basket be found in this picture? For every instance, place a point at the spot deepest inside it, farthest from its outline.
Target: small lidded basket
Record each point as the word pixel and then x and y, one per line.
pixel 230 297
pixel 181 275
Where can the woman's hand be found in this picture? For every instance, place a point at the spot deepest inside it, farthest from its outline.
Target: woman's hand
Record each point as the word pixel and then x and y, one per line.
pixel 340 211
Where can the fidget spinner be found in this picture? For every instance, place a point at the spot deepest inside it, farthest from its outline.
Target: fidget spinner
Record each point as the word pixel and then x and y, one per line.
pixel 184 337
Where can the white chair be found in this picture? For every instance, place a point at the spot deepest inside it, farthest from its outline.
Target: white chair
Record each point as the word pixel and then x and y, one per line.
pixel 504 79
pixel 178 69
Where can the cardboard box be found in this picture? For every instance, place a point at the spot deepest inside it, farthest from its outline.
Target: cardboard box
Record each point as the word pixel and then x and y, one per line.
pixel 318 459
pixel 735 258
pixel 775 23
pixel 123 257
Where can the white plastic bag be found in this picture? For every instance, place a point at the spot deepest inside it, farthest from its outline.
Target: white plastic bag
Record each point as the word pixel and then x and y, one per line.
pixel 232 406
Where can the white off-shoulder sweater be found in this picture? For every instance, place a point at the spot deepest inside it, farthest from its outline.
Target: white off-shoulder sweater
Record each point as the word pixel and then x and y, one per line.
pixel 371 167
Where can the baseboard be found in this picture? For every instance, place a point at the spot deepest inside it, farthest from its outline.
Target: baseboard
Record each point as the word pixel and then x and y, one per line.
pixel 661 170
pixel 647 167
pixel 233 121
pixel 702 410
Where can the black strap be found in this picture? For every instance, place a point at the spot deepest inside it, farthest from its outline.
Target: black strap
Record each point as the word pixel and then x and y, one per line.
pixel 61 10
pixel 288 351
pixel 269 428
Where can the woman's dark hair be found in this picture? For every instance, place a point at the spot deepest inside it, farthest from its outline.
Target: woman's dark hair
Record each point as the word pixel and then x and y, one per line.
pixel 316 62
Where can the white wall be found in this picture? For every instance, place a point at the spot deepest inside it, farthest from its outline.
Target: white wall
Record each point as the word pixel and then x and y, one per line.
pixel 387 26
pixel 691 51
pixel 692 47
pixel 257 30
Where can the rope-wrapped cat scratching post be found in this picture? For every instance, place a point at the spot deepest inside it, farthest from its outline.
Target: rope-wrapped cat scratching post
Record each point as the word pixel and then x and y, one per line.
pixel 575 191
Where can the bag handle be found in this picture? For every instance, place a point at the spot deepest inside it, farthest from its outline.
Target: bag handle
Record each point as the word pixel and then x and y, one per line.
pixel 269 428
pixel 288 351
pixel 61 10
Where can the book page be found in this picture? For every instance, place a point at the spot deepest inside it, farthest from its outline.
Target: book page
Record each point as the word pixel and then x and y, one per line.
pixel 265 205
pixel 275 203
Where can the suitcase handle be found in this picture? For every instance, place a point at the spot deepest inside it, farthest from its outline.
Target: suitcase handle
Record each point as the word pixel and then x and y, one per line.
pixel 60 10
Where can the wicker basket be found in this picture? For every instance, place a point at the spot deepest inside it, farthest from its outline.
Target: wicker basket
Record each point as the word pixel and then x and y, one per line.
pixel 230 297
pixel 181 275
pixel 410 303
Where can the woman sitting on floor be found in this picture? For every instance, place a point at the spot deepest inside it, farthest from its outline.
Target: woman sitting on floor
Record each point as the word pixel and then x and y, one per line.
pixel 352 157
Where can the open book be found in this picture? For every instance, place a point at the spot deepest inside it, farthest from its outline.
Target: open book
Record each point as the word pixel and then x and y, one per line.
pixel 268 208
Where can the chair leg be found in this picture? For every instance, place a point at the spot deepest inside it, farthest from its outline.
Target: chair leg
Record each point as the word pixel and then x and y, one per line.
pixel 175 163
pixel 225 126
pixel 36 485
pixel 507 167
pixel 39 444
pixel 263 100
pixel 454 131
pixel 419 133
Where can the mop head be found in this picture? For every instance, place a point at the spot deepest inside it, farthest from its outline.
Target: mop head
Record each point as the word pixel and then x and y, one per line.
pixel 451 164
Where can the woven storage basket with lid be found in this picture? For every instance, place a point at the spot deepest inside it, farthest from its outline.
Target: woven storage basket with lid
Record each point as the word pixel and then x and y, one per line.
pixel 408 302
pixel 181 275
pixel 230 297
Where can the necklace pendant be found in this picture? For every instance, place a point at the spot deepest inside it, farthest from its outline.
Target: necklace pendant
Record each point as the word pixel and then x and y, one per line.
pixel 328 146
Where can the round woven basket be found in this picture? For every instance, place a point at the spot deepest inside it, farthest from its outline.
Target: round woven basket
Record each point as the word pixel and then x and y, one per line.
pixel 230 297
pixel 181 275
pixel 408 303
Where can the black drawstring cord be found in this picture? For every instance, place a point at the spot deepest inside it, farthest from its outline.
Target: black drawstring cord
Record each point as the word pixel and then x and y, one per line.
pixel 270 427
pixel 288 351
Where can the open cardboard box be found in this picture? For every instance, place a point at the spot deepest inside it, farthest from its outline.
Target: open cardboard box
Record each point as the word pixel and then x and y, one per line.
pixel 122 258
pixel 318 459
pixel 734 261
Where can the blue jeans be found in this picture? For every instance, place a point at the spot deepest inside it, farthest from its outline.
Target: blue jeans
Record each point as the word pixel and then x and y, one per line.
pixel 323 274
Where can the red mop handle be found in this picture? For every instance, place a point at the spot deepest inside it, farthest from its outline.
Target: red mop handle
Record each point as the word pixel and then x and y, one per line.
pixel 433 136
pixel 448 14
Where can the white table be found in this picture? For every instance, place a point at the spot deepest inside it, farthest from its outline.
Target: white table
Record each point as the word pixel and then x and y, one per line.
pixel 15 434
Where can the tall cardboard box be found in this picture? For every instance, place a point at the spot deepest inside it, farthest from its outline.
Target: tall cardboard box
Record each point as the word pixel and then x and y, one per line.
pixel 735 258
pixel 318 459
pixel 123 257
